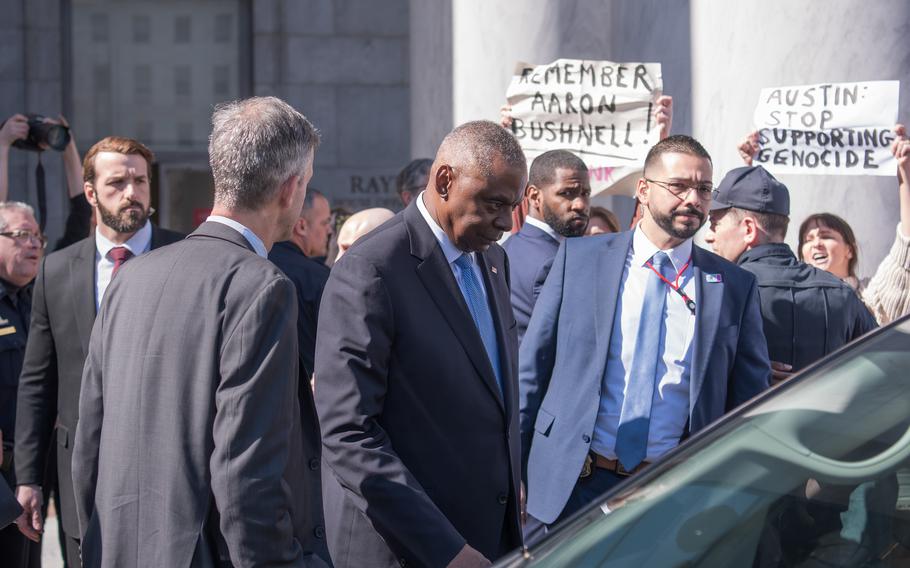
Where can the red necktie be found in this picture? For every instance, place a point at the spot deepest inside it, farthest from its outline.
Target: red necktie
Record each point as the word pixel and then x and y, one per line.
pixel 119 255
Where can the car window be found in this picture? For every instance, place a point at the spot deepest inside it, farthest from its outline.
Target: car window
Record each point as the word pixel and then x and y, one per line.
pixel 817 473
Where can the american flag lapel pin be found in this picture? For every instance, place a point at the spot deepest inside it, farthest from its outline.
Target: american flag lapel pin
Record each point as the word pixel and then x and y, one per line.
pixel 493 270
pixel 714 278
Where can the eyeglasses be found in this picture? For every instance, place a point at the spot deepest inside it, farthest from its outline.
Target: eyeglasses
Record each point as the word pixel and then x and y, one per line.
pixel 23 236
pixel 679 189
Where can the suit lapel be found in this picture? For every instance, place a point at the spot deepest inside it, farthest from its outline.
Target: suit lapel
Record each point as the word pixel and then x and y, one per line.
pixel 710 298
pixel 533 232
pixel 608 273
pixel 498 292
pixel 156 238
pixel 82 284
pixel 436 275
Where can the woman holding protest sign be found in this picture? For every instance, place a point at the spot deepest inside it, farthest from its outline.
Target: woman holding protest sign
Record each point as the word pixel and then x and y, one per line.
pixel 826 241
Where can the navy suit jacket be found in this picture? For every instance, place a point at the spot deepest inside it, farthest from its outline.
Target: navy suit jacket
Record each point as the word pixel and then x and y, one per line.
pixel 563 358
pixel 309 278
pixel 420 446
pixel 531 252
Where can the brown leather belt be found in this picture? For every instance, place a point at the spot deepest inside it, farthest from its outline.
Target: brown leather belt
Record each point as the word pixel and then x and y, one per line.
pixel 593 460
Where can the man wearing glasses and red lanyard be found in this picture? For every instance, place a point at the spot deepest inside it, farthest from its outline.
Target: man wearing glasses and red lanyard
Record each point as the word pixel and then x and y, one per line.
pixel 637 339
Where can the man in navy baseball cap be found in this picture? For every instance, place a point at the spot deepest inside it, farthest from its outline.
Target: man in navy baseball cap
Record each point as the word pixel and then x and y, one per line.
pixel 807 313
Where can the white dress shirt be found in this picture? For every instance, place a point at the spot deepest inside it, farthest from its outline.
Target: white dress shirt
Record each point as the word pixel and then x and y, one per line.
pixel 670 405
pixel 138 244
pixel 451 252
pixel 249 235
pixel 545 228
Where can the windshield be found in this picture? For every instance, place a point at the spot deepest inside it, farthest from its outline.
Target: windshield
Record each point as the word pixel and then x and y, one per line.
pixel 816 473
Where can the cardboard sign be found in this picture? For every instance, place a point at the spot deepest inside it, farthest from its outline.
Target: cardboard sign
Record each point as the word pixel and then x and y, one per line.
pixel 831 128
pixel 600 110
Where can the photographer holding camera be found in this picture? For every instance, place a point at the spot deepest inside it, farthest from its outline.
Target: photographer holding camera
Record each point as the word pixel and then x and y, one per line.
pixel 37 133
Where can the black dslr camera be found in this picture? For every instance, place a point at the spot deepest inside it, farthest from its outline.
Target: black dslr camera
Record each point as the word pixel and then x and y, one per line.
pixel 54 136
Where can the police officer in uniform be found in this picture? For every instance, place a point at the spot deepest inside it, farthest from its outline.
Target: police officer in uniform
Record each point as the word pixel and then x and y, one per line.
pixel 21 249
pixel 807 313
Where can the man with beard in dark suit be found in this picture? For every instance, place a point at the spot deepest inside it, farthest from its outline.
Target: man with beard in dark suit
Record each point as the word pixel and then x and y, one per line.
pixel 68 291
pixel 559 199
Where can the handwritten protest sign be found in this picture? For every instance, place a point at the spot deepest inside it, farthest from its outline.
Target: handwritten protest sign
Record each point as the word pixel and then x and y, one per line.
pixel 831 128
pixel 600 110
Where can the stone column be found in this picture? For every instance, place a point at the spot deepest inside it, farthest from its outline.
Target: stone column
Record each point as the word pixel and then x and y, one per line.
pixel 488 38
pixel 431 75
pixel 31 82
pixel 739 48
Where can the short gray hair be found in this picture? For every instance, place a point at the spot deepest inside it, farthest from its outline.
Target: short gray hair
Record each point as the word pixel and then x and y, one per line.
pixel 480 142
pixel 13 206
pixel 256 145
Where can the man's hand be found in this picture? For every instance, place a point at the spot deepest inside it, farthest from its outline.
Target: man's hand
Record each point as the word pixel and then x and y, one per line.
pixel 30 522
pixel 469 558
pixel 663 115
pixel 505 116
pixel 901 150
pixel 15 128
pixel 748 148
pixel 780 372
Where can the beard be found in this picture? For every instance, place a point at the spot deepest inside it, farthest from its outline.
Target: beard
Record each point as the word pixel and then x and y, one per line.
pixel 565 226
pixel 665 221
pixel 124 221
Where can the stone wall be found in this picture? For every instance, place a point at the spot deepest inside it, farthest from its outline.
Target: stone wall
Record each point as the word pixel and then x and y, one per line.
pixel 31 81
pixel 345 65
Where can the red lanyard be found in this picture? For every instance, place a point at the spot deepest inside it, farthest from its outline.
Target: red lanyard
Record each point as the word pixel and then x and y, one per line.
pixel 690 303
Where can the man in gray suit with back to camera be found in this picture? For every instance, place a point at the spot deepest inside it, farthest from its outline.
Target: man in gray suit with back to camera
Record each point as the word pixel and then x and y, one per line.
pixel 189 446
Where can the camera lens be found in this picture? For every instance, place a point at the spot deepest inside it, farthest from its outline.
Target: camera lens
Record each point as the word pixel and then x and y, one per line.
pixel 57 137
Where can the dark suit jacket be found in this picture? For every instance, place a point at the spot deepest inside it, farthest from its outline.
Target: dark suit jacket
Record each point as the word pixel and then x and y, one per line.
pixel 9 507
pixel 63 311
pixel 421 449
pixel 189 445
pixel 309 278
pixel 530 251
pixel 564 355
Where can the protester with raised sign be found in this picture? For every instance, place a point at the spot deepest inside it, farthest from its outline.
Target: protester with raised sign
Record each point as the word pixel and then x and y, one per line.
pixel 663 117
pixel 807 312
pixel 827 242
pixel 829 128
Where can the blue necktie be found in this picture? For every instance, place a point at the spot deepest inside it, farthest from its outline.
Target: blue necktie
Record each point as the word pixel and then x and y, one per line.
pixel 480 311
pixel 635 416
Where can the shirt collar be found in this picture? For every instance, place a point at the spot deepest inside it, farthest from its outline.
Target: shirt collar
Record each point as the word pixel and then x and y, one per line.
pixel 249 235
pixel 7 289
pixel 448 248
pixel 766 250
pixel 643 249
pixel 545 228
pixel 139 243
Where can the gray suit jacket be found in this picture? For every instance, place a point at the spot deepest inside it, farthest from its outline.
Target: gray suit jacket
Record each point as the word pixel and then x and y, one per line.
pixel 188 447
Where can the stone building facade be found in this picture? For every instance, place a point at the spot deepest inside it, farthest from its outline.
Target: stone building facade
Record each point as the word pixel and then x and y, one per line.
pixel 386 79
